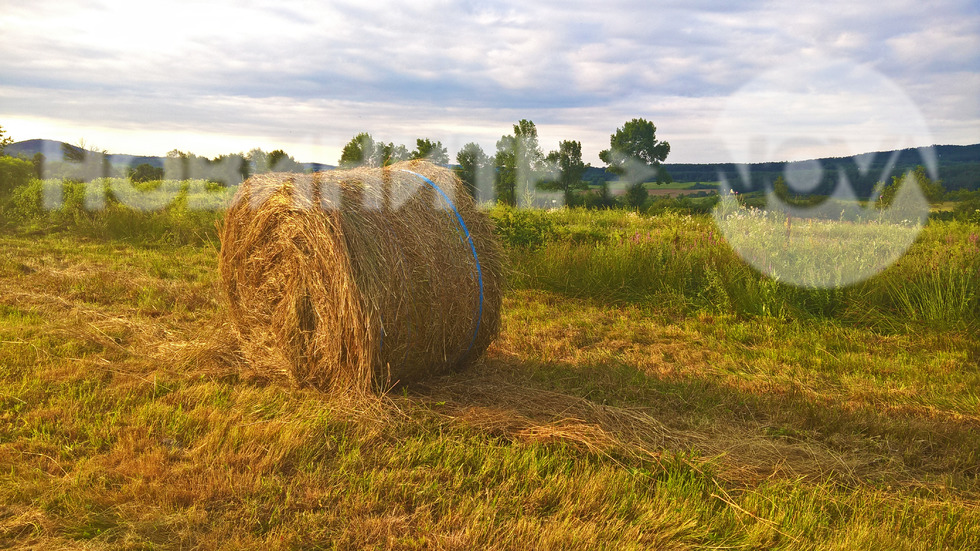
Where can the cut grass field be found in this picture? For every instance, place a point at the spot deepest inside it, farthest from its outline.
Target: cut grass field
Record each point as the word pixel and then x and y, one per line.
pixel 632 401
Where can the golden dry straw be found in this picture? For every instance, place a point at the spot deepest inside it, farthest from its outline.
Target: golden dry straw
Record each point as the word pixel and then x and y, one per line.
pixel 357 280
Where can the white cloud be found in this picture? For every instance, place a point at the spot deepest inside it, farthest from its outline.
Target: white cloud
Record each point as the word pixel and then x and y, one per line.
pixel 819 104
pixel 217 74
pixel 954 45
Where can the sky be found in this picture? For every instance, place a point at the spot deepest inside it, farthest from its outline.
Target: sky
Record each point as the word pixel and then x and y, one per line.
pixel 722 81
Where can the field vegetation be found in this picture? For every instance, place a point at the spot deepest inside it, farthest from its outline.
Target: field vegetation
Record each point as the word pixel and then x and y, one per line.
pixel 649 390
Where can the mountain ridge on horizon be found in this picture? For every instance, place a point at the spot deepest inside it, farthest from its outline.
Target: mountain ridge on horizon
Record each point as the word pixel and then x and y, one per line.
pixel 958 165
pixel 53 149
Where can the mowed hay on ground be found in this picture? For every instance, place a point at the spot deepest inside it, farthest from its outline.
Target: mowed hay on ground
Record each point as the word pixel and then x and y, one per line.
pixel 357 280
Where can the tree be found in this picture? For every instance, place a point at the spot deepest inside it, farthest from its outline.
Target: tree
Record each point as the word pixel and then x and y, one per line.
pixel 275 158
pixel 362 150
pixel 636 195
pixel 604 198
pixel 4 140
pixel 529 159
pixel 14 173
pixel 38 160
pixel 932 189
pixel 88 162
pixel 72 153
pixel 228 170
pixel 258 160
pixel 359 151
pixel 635 144
pixel 431 151
pixel 505 169
pixel 276 161
pixel 635 155
pixel 567 161
pixel 176 166
pixel 145 172
pixel 781 189
pixel 520 164
pixel 388 153
pixel 473 165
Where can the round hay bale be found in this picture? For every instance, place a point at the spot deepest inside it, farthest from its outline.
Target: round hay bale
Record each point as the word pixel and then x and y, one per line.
pixel 360 279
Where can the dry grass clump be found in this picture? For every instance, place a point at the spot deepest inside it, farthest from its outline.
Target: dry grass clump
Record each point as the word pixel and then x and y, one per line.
pixel 353 280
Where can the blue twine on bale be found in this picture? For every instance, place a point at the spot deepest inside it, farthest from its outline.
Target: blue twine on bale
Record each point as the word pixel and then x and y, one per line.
pixel 469 239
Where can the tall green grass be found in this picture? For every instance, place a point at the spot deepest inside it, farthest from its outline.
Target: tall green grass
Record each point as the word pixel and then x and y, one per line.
pixel 177 212
pixel 684 261
pixel 607 255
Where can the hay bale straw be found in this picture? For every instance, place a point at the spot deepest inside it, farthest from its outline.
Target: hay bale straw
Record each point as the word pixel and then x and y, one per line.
pixel 360 279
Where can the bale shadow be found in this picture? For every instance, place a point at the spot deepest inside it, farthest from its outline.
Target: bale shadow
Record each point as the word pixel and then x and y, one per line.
pixel 750 436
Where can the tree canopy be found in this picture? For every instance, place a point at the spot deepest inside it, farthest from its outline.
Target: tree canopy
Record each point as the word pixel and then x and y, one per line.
pixel 363 150
pixel 634 151
pixel 389 153
pixel 475 169
pixel 569 167
pixel 635 155
pixel 520 164
pixel 4 140
pixel 145 172
pixel 932 190
pixel 433 152
pixel 359 151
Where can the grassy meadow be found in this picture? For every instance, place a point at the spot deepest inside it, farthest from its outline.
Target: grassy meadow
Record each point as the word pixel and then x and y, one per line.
pixel 649 390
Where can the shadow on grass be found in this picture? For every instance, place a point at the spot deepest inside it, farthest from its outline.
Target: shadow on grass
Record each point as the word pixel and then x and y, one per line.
pixel 751 436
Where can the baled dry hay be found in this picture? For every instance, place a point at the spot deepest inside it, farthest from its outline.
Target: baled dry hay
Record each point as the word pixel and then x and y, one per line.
pixel 360 279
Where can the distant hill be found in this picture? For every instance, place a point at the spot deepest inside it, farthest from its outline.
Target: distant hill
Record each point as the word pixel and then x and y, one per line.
pixel 53 151
pixel 28 148
pixel 959 168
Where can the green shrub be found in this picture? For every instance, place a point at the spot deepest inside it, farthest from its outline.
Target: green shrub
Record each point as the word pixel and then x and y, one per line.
pixel 968 211
pixel 522 227
pixel 58 202
pixel 145 172
pixel 95 209
pixel 14 173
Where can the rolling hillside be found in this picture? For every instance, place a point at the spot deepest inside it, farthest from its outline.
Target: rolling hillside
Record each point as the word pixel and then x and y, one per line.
pixel 53 150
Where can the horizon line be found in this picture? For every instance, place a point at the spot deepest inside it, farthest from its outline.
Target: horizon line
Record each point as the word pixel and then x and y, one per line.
pixel 590 166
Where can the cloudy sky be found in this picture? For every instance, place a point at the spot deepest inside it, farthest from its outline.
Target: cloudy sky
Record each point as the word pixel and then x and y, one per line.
pixel 760 81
